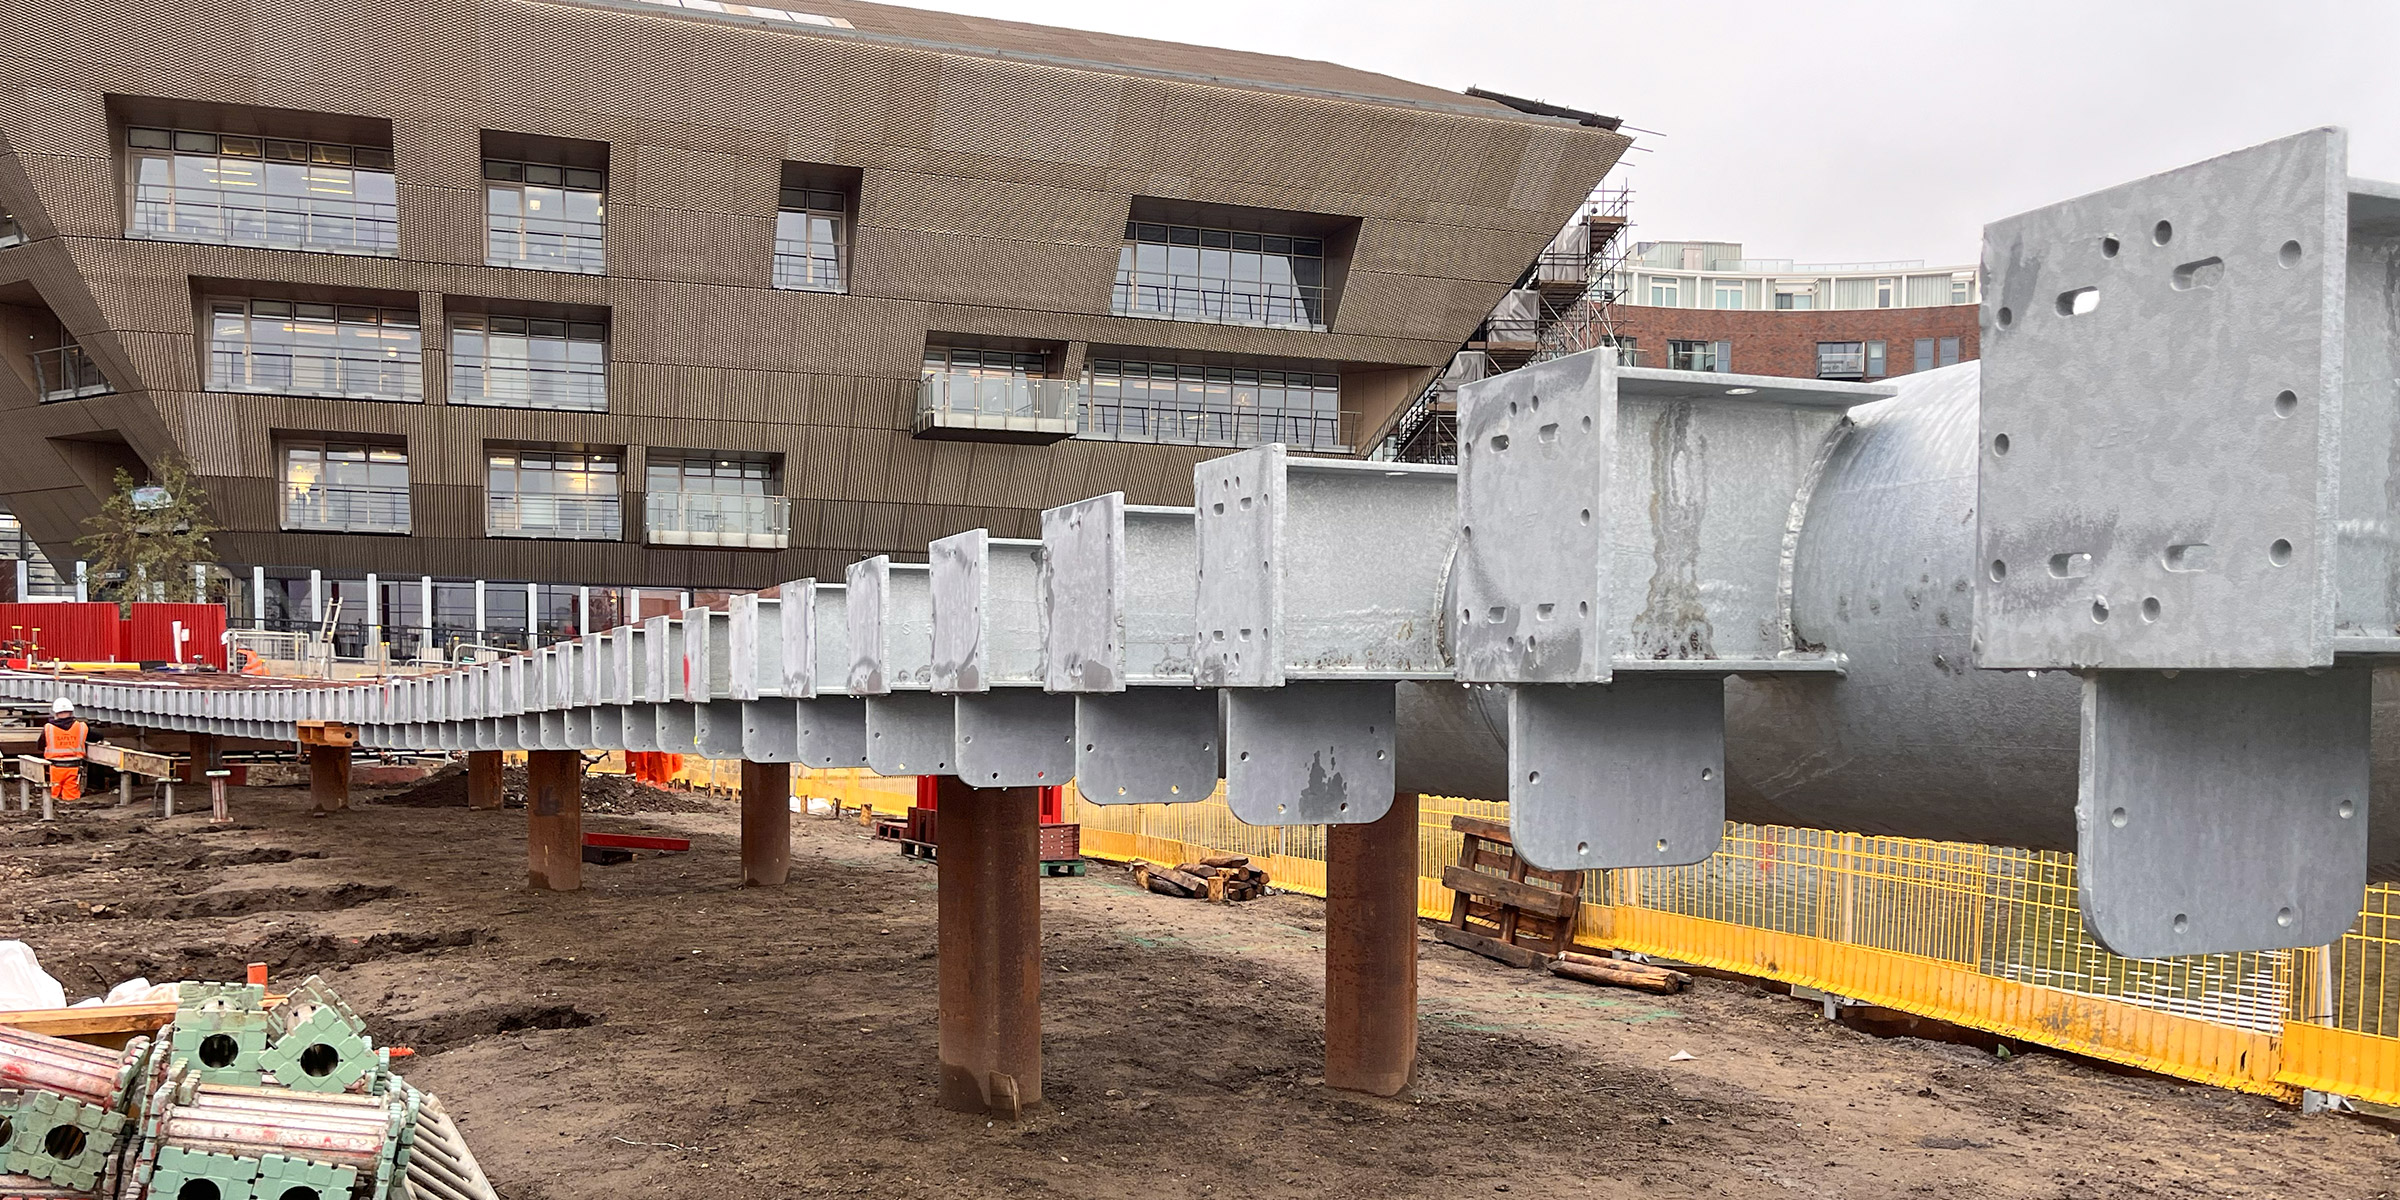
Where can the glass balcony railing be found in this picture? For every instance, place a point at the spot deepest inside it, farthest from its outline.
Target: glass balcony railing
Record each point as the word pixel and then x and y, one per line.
pixel 1020 407
pixel 706 519
pixel 66 372
pixel 1183 425
pixel 340 508
pixel 577 518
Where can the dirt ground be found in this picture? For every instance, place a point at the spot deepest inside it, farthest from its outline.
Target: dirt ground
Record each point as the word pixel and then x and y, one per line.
pixel 664 1032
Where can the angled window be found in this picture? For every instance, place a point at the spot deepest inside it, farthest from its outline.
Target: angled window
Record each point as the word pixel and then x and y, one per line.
pixel 1213 404
pixel 812 228
pixel 716 499
pixel 554 494
pixel 11 233
pixel 345 487
pixel 303 349
pixel 1231 266
pixel 971 391
pixel 196 185
pixel 528 362
pixel 546 215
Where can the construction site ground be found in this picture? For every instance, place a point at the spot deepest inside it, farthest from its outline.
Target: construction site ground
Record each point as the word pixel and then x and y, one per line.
pixel 665 1032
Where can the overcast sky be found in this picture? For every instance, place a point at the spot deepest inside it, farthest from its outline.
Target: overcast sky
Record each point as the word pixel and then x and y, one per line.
pixel 1852 130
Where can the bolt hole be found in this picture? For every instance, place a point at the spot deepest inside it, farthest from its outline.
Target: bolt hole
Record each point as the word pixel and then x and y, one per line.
pixel 219 1050
pixel 1583 847
pixel 2286 403
pixel 1533 776
pixel 2099 610
pixel 2000 444
pixel 1343 807
pixel 1174 789
pixel 2117 817
pixel 2279 552
pixel 1586 516
pixel 2183 924
pixel 1662 845
pixel 2108 247
pixel 1587 424
pixel 1707 773
pixel 2283 916
pixel 1245 756
pixel 319 1060
pixel 1999 570
pixel 2160 235
pixel 2289 255
pixel 2347 809
pixel 2150 608
pixel 2078 302
pixel 63 1142
pixel 2007 316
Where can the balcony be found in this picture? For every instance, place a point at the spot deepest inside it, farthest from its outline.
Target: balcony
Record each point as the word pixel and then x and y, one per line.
pixel 1181 425
pixel 338 508
pixel 706 519
pixel 66 373
pixel 965 406
pixel 572 518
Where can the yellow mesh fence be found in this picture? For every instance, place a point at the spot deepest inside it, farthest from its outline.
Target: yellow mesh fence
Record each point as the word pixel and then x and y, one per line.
pixel 1981 936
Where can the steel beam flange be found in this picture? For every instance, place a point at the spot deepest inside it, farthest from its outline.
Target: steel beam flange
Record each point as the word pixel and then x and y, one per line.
pixel 717 729
pixel 1117 610
pixel 1326 575
pixel 677 728
pixel 831 725
pixel 707 664
pixel 987 654
pixel 889 612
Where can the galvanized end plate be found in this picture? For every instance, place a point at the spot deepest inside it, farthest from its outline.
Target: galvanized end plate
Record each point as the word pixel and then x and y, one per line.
pixel 638 728
pixel 910 733
pixel 677 728
pixel 1312 753
pixel 833 731
pixel 1083 569
pixel 1537 450
pixel 869 581
pixel 2222 812
pixel 717 728
pixel 1147 746
pixel 770 731
pixel 961 574
pixel 1239 605
pixel 2160 427
pixel 1015 737
pixel 1623 774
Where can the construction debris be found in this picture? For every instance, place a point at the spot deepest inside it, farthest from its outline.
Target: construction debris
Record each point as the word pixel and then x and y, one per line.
pixel 236 1098
pixel 1505 908
pixel 1619 972
pixel 1221 878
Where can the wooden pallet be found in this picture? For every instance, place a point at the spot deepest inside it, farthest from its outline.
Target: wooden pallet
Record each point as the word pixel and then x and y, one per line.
pixel 891 829
pixel 916 849
pixel 1504 907
pixel 1068 867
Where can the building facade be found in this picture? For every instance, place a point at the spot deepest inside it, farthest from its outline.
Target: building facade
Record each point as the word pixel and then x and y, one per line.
pixel 1702 306
pixel 712 296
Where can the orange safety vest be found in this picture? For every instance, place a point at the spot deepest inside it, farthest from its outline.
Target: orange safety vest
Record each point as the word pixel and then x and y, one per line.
pixel 251 663
pixel 63 746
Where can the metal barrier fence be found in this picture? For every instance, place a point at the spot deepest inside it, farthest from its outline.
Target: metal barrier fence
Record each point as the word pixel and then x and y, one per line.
pixel 1980 936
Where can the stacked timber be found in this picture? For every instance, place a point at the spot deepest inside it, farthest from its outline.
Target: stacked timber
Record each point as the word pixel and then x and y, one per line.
pixel 1619 972
pixel 1221 878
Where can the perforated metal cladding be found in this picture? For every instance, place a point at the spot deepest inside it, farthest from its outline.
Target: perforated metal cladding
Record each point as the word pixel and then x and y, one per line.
pixel 992 204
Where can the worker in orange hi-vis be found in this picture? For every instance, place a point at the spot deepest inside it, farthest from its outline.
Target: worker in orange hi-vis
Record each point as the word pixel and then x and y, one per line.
pixel 62 747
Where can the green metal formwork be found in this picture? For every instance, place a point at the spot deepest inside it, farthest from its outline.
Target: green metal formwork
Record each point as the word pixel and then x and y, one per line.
pixel 279 1177
pixel 315 994
pixel 323 1053
pixel 54 1138
pixel 223 1045
pixel 234 1178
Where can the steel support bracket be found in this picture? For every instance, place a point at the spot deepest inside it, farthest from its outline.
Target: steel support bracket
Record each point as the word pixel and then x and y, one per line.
pixel 911 733
pixel 1629 773
pixel 1147 745
pixel 1314 753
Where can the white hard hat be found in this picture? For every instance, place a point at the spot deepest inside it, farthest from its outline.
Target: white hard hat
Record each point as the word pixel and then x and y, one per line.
pixel 62 704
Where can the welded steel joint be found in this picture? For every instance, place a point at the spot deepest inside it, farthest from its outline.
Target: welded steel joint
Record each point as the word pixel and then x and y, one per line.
pixel 987 656
pixel 1320 585
pixel 1625 543
pixel 1117 613
pixel 2186 459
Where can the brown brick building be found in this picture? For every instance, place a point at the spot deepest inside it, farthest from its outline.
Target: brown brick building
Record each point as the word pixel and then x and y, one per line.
pixel 613 292
pixel 1793 343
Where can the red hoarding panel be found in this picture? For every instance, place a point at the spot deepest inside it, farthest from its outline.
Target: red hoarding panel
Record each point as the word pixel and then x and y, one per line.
pixel 152 637
pixel 68 632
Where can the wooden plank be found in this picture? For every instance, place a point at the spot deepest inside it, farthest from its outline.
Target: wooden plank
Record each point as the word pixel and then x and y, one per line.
pixel 1509 892
pixel 631 841
pixel 1492 948
pixel 91 1020
pixel 1496 831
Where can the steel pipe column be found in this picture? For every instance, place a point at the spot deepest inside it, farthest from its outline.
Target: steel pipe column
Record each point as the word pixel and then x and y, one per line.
pixel 766 823
pixel 554 820
pixel 1371 951
pixel 483 779
pixel 990 943
pixel 329 777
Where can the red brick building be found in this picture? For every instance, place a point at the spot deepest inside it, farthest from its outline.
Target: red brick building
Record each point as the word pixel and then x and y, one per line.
pixel 1802 344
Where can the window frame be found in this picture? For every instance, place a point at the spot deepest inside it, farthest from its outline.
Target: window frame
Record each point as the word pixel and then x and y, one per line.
pixel 813 205
pixel 369 456
pixel 585 464
pixel 520 178
pixel 411 365
pixel 170 148
pixel 482 363
pixel 1230 259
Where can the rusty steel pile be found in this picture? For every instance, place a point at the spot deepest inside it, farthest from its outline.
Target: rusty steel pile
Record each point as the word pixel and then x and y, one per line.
pixel 236 1098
